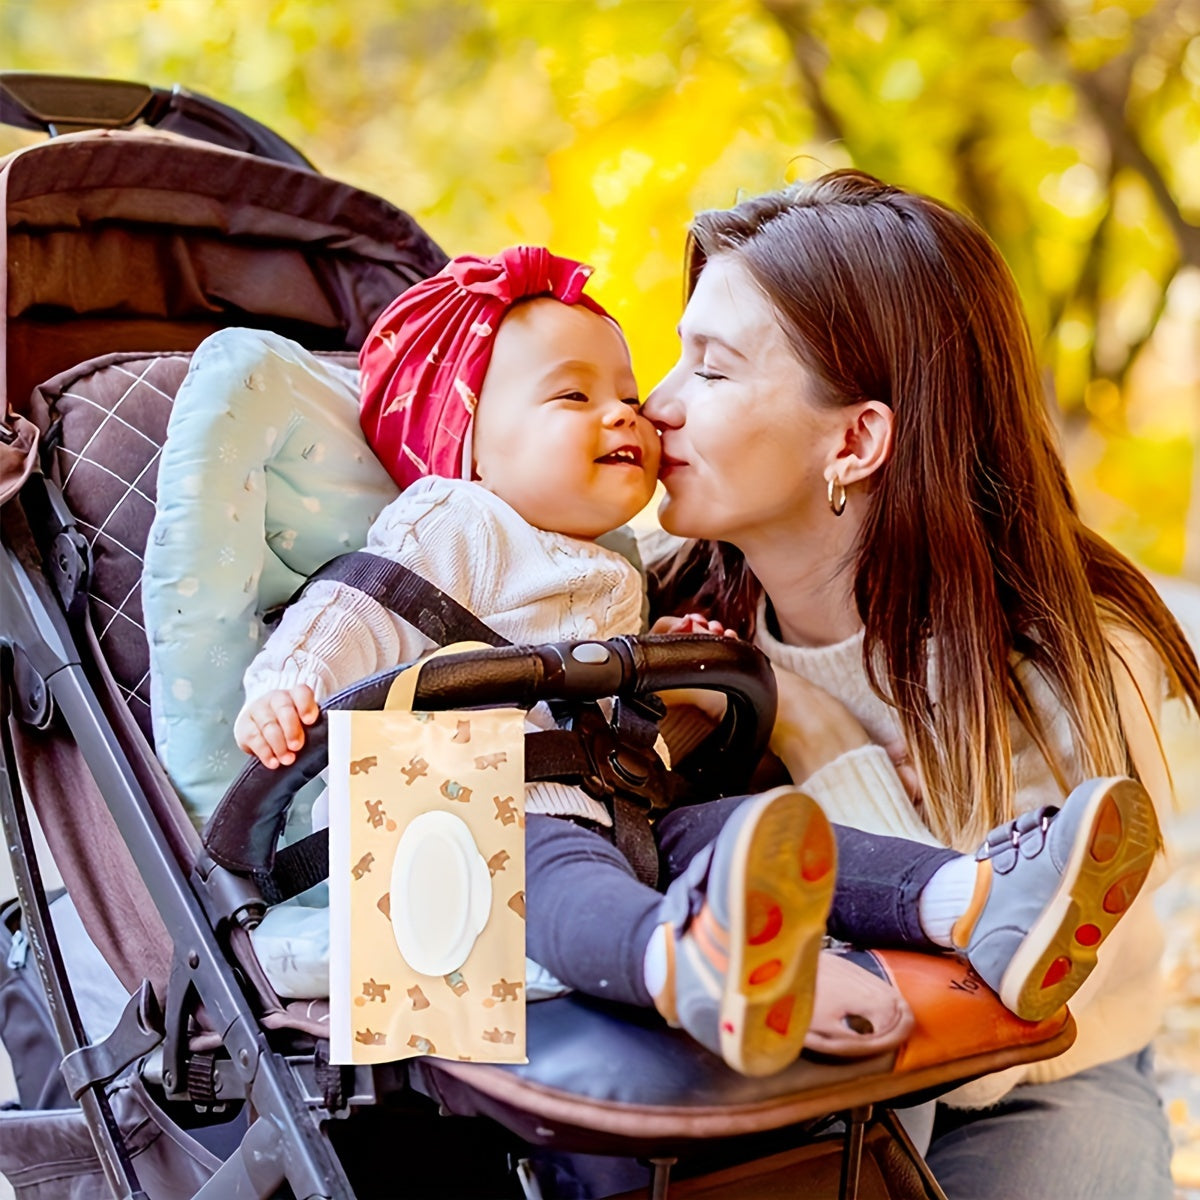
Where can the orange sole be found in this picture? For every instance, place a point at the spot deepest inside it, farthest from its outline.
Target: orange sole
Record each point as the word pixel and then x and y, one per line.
pixel 779 907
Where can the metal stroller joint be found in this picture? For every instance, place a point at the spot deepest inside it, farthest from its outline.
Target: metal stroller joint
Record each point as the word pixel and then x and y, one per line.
pixel 31 697
pixel 65 551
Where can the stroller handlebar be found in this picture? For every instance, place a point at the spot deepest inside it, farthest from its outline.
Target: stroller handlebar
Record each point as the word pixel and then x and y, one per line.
pixel 57 104
pixel 245 828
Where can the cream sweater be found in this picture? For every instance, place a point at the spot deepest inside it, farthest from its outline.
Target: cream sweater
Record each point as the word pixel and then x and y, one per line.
pixel 1119 1009
pixel 530 585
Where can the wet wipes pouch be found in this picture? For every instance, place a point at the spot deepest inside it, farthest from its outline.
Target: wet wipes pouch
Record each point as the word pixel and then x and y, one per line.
pixel 426 882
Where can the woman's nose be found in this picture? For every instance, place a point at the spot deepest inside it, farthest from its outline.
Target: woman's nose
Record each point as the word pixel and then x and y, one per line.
pixel 661 407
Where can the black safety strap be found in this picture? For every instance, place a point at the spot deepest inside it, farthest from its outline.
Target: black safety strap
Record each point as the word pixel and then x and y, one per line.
pixel 634 837
pixel 427 608
pixel 561 754
pixel 552 754
pixel 296 868
pixel 636 728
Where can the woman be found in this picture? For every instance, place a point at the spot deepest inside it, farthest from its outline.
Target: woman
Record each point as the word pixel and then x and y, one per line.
pixel 856 442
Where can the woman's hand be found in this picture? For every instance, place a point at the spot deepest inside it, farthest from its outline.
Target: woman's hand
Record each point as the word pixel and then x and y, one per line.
pixel 272 727
pixel 812 728
pixel 712 703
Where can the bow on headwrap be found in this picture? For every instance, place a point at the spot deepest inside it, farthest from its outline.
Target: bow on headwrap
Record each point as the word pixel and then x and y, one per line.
pixel 424 361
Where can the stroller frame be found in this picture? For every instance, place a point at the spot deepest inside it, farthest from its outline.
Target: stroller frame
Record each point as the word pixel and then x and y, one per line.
pixel 55 680
pixel 220 1039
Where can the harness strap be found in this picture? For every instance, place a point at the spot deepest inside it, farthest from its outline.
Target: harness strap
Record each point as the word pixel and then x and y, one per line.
pixel 297 867
pixel 563 754
pixel 634 838
pixel 437 615
pixel 549 754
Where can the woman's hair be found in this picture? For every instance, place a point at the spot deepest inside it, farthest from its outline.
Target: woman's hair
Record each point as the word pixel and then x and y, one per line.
pixel 972 548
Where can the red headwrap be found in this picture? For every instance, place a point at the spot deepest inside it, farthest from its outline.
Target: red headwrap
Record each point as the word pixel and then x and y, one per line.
pixel 424 361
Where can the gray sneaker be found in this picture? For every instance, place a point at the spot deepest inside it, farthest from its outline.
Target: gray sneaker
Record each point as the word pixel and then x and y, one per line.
pixel 743 927
pixel 1051 886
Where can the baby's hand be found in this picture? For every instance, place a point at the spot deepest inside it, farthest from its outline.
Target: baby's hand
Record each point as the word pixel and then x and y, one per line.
pixel 272 727
pixel 691 623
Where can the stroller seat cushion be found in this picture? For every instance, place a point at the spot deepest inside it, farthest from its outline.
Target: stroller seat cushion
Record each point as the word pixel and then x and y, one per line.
pixel 264 477
pixel 111 417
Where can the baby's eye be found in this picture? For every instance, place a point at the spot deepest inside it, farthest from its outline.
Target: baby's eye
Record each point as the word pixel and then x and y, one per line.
pixel 632 401
pixel 576 397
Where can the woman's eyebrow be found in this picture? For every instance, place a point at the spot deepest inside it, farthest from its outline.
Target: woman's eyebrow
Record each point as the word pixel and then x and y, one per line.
pixel 708 339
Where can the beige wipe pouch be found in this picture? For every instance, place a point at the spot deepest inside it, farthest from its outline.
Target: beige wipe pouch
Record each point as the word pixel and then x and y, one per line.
pixel 426 881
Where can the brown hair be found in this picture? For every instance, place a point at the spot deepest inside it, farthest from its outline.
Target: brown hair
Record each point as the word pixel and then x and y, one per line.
pixel 972 548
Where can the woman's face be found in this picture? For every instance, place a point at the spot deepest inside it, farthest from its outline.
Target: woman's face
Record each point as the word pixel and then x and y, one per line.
pixel 744 446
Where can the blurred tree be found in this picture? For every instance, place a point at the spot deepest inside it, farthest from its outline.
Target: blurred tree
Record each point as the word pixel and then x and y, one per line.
pixel 1070 128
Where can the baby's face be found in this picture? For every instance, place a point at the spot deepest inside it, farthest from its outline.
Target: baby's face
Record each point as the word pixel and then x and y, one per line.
pixel 559 434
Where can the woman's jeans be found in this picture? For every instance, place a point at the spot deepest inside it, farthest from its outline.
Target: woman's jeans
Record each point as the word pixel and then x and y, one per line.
pixel 589 918
pixel 1098 1135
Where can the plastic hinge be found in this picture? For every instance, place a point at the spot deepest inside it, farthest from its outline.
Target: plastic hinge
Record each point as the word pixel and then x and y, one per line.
pixel 136 1033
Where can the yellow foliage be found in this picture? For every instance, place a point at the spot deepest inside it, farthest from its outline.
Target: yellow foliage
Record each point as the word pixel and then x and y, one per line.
pixel 601 126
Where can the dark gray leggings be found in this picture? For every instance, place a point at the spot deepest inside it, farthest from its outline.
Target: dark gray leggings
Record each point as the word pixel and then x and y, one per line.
pixel 589 918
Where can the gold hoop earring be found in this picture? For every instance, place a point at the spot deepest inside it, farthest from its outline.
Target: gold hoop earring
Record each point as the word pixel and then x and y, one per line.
pixel 837 503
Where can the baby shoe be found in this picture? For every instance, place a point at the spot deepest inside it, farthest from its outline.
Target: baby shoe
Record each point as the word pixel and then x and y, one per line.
pixel 1050 887
pixel 743 926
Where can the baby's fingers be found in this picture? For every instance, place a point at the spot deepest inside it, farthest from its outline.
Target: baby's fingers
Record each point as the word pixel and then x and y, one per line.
pixel 255 743
pixel 283 728
pixel 306 703
pixel 271 732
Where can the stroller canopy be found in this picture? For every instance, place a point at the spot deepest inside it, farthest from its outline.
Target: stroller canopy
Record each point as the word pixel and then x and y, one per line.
pixel 153 250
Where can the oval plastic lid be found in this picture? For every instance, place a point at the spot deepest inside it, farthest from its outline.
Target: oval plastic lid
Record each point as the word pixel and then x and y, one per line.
pixel 441 893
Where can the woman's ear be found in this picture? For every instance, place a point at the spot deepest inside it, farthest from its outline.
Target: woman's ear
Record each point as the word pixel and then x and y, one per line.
pixel 866 443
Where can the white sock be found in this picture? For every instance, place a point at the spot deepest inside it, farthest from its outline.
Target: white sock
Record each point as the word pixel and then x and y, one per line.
pixel 654 962
pixel 945 898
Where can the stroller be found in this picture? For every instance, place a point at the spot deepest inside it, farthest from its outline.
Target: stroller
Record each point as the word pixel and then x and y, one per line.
pixel 124 248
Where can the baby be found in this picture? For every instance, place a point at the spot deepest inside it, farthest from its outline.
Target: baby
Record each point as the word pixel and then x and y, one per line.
pixel 503 496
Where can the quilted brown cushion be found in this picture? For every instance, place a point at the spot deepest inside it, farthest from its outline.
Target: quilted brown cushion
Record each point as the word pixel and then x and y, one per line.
pixel 113 412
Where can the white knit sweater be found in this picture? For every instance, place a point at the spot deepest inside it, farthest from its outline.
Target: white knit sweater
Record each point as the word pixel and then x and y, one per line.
pixel 530 585
pixel 1119 1009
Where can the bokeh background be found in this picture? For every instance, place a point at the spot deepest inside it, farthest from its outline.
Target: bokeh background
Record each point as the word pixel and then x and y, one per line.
pixel 1069 128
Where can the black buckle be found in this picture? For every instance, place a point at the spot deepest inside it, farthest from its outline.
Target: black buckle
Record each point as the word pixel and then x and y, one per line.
pixel 619 766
